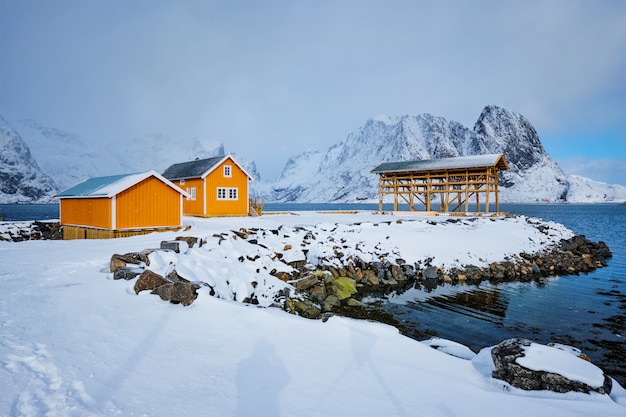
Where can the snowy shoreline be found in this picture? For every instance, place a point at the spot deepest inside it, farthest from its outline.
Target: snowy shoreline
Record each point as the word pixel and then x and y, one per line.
pixel 239 358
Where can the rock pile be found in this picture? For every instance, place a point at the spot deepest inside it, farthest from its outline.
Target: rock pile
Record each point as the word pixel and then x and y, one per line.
pixel 172 287
pixel 336 283
pixel 37 230
pixel 331 275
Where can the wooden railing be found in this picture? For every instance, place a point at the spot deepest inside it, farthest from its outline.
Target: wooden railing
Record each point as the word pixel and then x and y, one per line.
pixel 257 205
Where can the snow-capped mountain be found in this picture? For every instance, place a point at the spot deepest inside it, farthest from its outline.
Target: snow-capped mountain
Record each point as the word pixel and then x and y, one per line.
pixel 342 173
pixel 585 190
pixel 69 158
pixel 38 160
pixel 21 179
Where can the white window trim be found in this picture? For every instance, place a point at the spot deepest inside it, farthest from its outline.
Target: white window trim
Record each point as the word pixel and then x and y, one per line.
pixel 227 193
pixel 193 193
pixel 228 171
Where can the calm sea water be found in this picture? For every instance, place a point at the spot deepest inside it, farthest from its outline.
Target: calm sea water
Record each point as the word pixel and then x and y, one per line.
pixel 586 311
pixel 26 212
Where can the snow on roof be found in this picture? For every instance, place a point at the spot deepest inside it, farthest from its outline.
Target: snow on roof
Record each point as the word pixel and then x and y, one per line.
pixel 112 185
pixel 198 169
pixel 461 162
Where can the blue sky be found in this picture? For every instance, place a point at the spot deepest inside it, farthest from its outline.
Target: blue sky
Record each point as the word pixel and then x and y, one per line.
pixel 271 79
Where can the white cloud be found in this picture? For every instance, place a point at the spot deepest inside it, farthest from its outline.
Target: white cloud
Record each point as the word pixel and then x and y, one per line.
pixel 609 170
pixel 263 76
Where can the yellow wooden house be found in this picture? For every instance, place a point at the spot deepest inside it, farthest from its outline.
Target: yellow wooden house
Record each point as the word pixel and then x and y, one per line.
pixel 120 205
pixel 217 186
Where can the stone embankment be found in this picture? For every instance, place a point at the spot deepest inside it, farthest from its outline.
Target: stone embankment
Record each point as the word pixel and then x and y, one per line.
pixel 329 288
pixel 37 230
pixel 339 283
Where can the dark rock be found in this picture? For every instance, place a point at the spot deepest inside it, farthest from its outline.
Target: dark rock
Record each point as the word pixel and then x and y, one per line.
pixel 149 280
pixel 191 241
pixel 306 308
pixel 430 273
pixel 180 292
pixel 504 357
pixel 281 275
pixel 318 292
pixel 409 271
pixel 134 258
pixel 126 273
pixel 397 274
pixel 306 282
pixel 330 303
pixel 175 245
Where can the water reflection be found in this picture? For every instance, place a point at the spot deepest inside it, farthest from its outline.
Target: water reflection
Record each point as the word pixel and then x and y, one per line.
pixel 586 311
pixel 483 304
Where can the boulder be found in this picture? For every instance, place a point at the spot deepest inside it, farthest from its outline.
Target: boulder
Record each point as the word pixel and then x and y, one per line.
pixel 178 246
pixel 330 303
pixel 191 241
pixel 149 280
pixel 126 273
pixel 133 258
pixel 430 273
pixel 318 292
pixel 351 302
pixel 342 287
pixel 507 358
pixel 306 308
pixel 305 282
pixel 181 292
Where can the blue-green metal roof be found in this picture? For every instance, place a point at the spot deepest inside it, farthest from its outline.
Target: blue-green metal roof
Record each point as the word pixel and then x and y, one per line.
pixel 93 187
pixel 111 185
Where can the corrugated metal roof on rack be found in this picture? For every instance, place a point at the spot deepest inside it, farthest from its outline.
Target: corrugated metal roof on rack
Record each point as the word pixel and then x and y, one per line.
pixel 461 162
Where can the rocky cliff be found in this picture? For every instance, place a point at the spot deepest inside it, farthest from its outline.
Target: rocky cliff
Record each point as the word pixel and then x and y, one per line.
pixel 21 180
pixel 342 173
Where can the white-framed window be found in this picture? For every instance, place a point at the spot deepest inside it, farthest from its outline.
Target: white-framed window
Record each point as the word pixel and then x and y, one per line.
pixel 182 182
pixel 228 171
pixel 193 193
pixel 227 193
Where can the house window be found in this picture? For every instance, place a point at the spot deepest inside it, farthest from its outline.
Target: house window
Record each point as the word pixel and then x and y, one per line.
pixel 182 182
pixel 228 171
pixel 193 193
pixel 224 193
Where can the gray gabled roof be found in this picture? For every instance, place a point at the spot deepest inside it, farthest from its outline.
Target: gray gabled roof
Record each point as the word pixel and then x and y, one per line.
pixel 111 185
pixel 461 162
pixel 199 168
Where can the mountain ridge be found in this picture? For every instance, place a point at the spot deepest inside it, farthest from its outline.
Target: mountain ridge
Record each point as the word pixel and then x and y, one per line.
pixel 52 160
pixel 21 179
pixel 343 175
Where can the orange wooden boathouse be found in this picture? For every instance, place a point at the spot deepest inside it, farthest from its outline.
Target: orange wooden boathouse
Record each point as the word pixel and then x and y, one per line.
pixel 216 186
pixel 121 205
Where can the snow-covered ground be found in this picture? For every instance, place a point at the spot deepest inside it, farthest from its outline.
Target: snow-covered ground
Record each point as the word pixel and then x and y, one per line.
pixel 75 342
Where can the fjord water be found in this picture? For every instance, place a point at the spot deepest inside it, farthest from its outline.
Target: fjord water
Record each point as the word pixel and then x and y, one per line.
pixel 585 311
